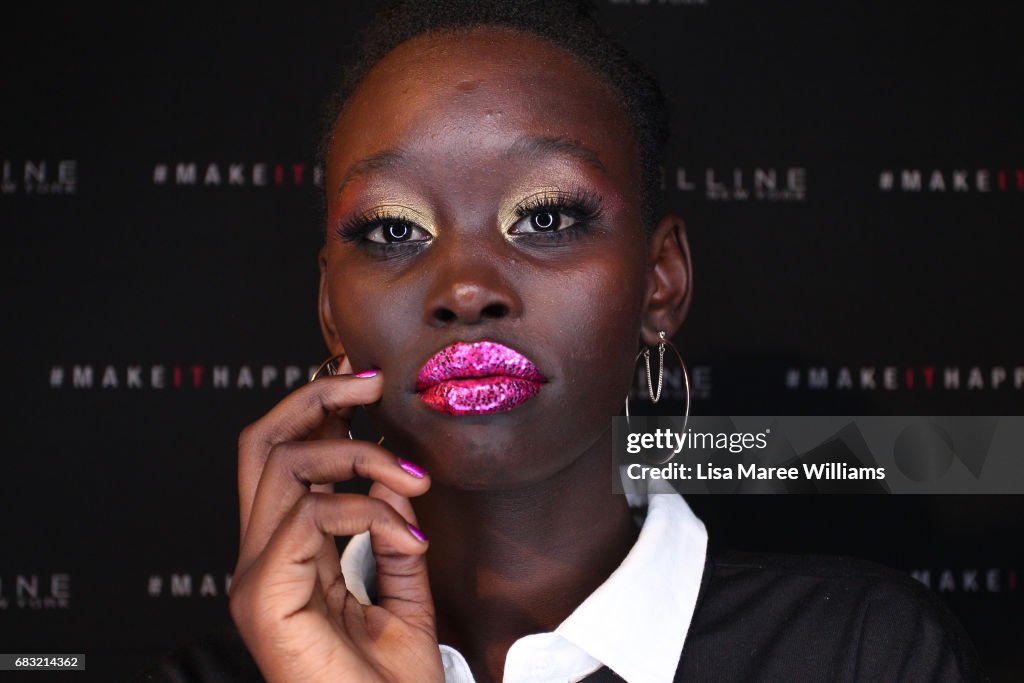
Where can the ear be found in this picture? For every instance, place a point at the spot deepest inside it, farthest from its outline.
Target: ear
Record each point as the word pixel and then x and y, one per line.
pixel 670 281
pixel 327 326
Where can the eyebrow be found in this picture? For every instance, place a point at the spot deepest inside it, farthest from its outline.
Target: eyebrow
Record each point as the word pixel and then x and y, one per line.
pixel 557 145
pixel 523 147
pixel 388 159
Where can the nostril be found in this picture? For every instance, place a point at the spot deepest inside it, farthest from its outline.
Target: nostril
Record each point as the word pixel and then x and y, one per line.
pixel 494 311
pixel 444 315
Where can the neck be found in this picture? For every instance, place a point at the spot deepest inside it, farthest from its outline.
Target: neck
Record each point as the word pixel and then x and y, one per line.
pixel 504 564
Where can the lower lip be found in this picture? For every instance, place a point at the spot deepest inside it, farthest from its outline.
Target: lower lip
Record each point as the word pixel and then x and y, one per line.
pixel 479 395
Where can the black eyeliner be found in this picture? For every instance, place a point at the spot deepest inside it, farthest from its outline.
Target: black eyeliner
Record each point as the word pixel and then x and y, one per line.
pixel 583 206
pixel 356 227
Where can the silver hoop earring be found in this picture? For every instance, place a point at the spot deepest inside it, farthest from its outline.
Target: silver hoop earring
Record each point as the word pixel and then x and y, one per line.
pixel 656 394
pixel 645 353
pixel 329 368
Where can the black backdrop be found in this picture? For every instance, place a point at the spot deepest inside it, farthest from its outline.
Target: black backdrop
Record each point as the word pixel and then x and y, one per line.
pixel 852 175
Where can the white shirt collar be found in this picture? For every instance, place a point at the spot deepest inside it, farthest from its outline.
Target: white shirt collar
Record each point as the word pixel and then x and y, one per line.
pixel 635 623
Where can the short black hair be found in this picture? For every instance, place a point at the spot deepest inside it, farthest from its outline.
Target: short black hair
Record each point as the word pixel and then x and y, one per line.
pixel 567 24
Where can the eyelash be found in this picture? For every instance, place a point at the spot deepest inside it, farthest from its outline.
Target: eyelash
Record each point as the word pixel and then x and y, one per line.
pixel 583 206
pixel 356 228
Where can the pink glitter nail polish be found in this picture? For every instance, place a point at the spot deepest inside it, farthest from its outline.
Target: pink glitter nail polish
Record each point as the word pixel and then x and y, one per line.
pixel 412 468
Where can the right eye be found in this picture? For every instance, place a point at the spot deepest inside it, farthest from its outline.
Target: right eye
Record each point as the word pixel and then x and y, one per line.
pixel 390 231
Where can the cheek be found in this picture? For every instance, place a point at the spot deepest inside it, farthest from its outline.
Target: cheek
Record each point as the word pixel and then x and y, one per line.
pixel 599 318
pixel 369 316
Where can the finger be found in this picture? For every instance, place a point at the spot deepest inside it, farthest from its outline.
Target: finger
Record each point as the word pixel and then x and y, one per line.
pixel 291 468
pixel 335 425
pixel 403 584
pixel 396 498
pixel 329 562
pixel 286 574
pixel 328 568
pixel 294 418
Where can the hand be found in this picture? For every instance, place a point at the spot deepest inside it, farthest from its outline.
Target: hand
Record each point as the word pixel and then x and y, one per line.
pixel 288 597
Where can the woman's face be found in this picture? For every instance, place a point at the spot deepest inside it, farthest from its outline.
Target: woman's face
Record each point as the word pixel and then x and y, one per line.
pixel 483 186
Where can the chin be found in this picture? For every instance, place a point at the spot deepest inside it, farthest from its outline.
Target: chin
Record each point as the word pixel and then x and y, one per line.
pixel 522 447
pixel 483 459
pixel 477 454
pixel 485 472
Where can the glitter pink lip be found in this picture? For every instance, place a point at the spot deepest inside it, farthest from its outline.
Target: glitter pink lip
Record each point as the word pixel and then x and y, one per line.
pixel 477 379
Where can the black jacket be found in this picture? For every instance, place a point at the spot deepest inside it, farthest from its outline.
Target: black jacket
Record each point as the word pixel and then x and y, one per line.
pixel 758 618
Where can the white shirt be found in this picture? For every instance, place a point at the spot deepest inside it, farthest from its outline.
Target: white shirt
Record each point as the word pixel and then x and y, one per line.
pixel 634 623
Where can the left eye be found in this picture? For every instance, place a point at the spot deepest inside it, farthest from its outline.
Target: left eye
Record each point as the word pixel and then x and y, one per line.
pixel 542 221
pixel 395 232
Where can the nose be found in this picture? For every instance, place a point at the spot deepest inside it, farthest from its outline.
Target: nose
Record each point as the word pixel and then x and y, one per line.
pixel 468 289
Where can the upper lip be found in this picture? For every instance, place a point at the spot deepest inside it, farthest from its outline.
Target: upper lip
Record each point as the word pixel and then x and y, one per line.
pixel 466 360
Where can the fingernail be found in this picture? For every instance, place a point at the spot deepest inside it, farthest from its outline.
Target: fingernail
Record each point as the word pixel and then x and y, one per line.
pixel 414 470
pixel 416 533
pixel 366 374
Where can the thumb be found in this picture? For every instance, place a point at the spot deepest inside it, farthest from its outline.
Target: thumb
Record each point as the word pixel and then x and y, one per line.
pixel 336 424
pixel 402 581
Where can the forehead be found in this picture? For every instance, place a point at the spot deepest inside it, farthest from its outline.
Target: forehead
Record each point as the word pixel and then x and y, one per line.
pixel 443 93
